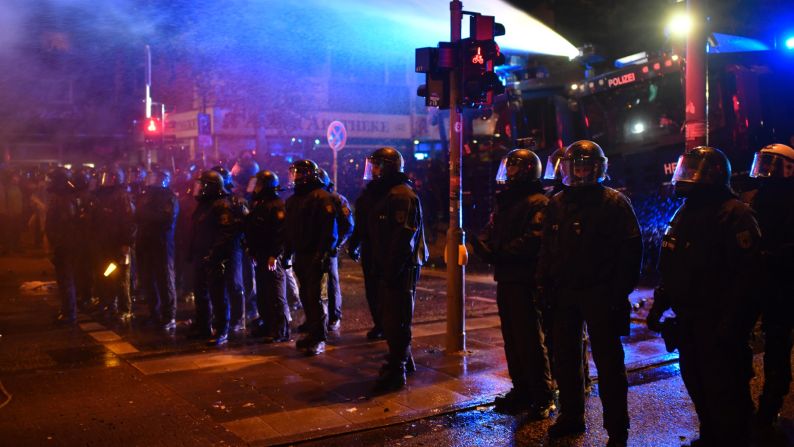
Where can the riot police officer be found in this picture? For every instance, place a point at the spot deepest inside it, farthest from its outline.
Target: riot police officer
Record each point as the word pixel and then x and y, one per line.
pixel 235 286
pixel 359 247
pixel 773 203
pixel 708 262
pixel 214 234
pixel 511 243
pixel 344 228
pixel 590 262
pixel 311 237
pixel 85 254
pixel 265 241
pixel 113 225
pixel 61 224
pixel 396 238
pixel 243 171
pixel 156 216
pixel 553 177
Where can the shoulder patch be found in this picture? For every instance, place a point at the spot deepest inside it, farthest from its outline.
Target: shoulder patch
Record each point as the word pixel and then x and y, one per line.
pixel 346 211
pixel 329 209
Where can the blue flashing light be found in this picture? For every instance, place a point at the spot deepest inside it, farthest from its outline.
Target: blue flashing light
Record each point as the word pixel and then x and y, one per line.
pixel 789 43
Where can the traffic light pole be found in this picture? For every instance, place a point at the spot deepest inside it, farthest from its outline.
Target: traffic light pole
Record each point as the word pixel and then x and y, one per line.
pixel 456 248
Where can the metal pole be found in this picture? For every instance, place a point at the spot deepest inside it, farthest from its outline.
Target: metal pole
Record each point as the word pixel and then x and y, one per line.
pixel 335 169
pixel 148 82
pixel 695 103
pixel 455 251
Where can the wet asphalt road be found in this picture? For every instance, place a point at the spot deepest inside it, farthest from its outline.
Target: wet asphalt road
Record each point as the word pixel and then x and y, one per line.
pixel 68 390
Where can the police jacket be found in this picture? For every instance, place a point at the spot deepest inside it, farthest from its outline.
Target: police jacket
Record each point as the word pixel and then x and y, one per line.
pixel 63 221
pixel 311 221
pixel 708 260
pixel 591 243
pixel 394 227
pixel 113 219
pixel 344 219
pixel 511 239
pixel 773 203
pixel 156 216
pixel 214 231
pixel 264 231
pixel 359 239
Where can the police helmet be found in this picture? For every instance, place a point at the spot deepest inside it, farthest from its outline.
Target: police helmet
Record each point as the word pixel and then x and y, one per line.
pixel 304 172
pixel 226 176
pixel 583 164
pixel 159 177
pixel 519 166
pixel 211 186
pixel 325 179
pixel 244 170
pixel 387 159
pixel 553 165
pixel 773 161
pixel 702 167
pixel 263 182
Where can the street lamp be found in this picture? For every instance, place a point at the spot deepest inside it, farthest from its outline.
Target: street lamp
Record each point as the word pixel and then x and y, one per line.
pixel 679 25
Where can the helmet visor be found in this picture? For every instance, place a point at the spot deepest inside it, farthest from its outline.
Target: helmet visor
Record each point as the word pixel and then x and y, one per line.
pixel 583 171
pixel 767 164
pixel 198 187
pixel 501 174
pixel 695 170
pixel 251 187
pixel 553 167
pixel 368 174
pixel 292 178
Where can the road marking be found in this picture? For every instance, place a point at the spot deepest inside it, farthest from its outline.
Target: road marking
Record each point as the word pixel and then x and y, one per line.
pixel 480 298
pixel 199 361
pixel 105 336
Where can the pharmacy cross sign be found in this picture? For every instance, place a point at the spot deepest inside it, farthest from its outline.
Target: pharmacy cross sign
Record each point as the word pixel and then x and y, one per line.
pixel 337 136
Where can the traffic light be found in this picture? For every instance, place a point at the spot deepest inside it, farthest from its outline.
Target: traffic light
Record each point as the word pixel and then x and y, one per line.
pixel 435 63
pixel 479 55
pixel 152 126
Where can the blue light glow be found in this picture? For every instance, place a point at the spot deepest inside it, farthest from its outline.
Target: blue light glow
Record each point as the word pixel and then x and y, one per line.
pixel 790 43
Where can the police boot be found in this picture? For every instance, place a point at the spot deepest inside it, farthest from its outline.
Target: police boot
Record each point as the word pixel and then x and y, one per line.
pixel 392 378
pixel 564 426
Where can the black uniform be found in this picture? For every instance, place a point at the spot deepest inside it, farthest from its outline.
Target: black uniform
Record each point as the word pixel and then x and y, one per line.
pixel 311 237
pixel 113 225
pixel 360 246
pixel 182 264
pixel 86 268
pixel 156 216
pixel 511 243
pixel 344 228
pixel 774 207
pixel 214 232
pixel 708 258
pixel 590 263
pixel 61 227
pixel 235 286
pixel 396 240
pixel 265 239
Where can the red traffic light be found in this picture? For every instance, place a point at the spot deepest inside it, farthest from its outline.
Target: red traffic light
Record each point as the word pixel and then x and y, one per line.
pixel 152 125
